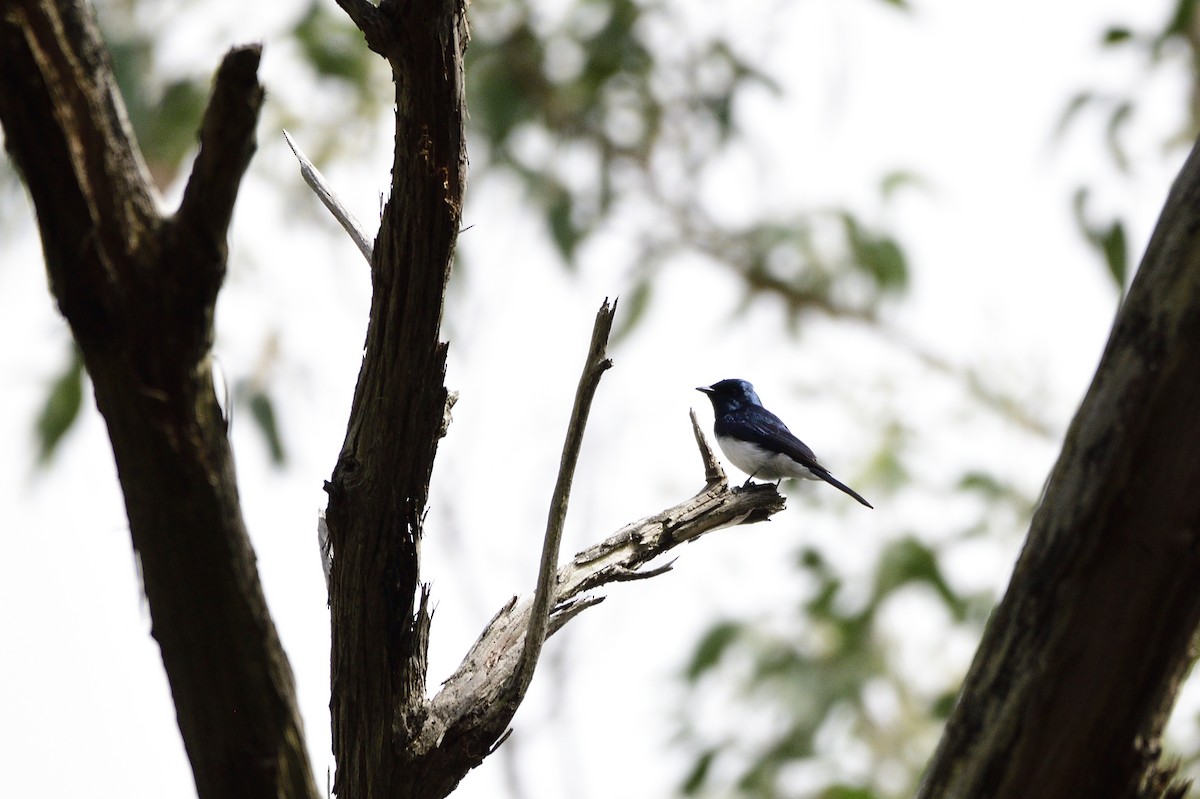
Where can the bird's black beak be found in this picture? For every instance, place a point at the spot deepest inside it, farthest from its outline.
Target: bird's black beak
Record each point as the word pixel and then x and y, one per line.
pixel 704 389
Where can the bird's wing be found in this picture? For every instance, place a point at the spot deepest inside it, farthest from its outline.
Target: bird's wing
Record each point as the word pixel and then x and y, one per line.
pixel 760 426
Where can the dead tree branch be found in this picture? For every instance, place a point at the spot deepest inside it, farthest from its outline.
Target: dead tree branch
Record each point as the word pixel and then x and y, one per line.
pixel 472 711
pixel 594 367
pixel 320 186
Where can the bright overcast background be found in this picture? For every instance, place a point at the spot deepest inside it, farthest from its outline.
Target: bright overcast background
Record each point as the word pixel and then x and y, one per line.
pixel 967 96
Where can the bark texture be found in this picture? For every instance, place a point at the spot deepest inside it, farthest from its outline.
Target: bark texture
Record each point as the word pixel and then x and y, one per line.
pixel 138 290
pixel 1081 661
pixel 378 490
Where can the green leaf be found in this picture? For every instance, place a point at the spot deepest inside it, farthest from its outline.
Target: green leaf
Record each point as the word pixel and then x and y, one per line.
pixel 633 307
pixel 1182 19
pixel 985 484
pixel 1116 35
pixel 262 410
pixel 878 255
pixel 171 126
pixel 61 409
pixel 943 705
pixel 1117 122
pixel 699 773
pixel 1116 254
pixel 1109 241
pixel 164 118
pixel 562 226
pixel 1072 110
pixel 333 46
pixel 847 792
pixel 899 179
pixel 711 647
pixel 910 561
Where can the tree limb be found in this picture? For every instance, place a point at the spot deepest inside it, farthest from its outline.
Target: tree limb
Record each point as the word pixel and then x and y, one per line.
pixel 713 473
pixel 474 707
pixel 594 367
pixel 374 23
pixel 1081 661
pixel 226 146
pixel 379 487
pixel 316 181
pixel 138 291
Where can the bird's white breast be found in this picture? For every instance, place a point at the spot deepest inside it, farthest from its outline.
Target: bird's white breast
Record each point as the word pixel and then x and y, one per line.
pixel 761 463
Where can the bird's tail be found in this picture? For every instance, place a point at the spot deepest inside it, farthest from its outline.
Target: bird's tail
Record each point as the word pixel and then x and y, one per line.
pixel 833 481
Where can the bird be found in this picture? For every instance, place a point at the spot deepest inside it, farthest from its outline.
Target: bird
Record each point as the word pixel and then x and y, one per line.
pixel 758 442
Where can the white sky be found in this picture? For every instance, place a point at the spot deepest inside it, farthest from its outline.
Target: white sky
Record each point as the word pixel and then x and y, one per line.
pixel 966 95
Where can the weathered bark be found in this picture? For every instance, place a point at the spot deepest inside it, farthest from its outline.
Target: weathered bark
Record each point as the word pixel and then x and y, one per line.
pixel 138 290
pixel 378 490
pixel 1081 661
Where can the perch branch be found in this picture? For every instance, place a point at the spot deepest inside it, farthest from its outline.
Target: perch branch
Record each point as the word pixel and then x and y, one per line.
pixel 713 473
pixel 594 367
pixel 316 181
pixel 476 703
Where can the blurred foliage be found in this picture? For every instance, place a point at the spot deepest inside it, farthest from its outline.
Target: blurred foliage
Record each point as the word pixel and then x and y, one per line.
pixel 1108 239
pixel 333 46
pixel 61 408
pixel 262 411
pixel 821 677
pixel 580 103
pixel 1172 48
pixel 252 394
pixel 594 117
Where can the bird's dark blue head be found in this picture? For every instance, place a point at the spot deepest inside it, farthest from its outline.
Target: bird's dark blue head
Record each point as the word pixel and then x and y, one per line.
pixel 730 395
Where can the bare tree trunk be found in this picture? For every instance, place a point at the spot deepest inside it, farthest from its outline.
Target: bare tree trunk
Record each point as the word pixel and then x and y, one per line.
pixel 379 488
pixel 1081 662
pixel 138 290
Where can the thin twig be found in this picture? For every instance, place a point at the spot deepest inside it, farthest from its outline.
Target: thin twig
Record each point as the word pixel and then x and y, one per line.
pixel 713 473
pixel 316 181
pixel 593 368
